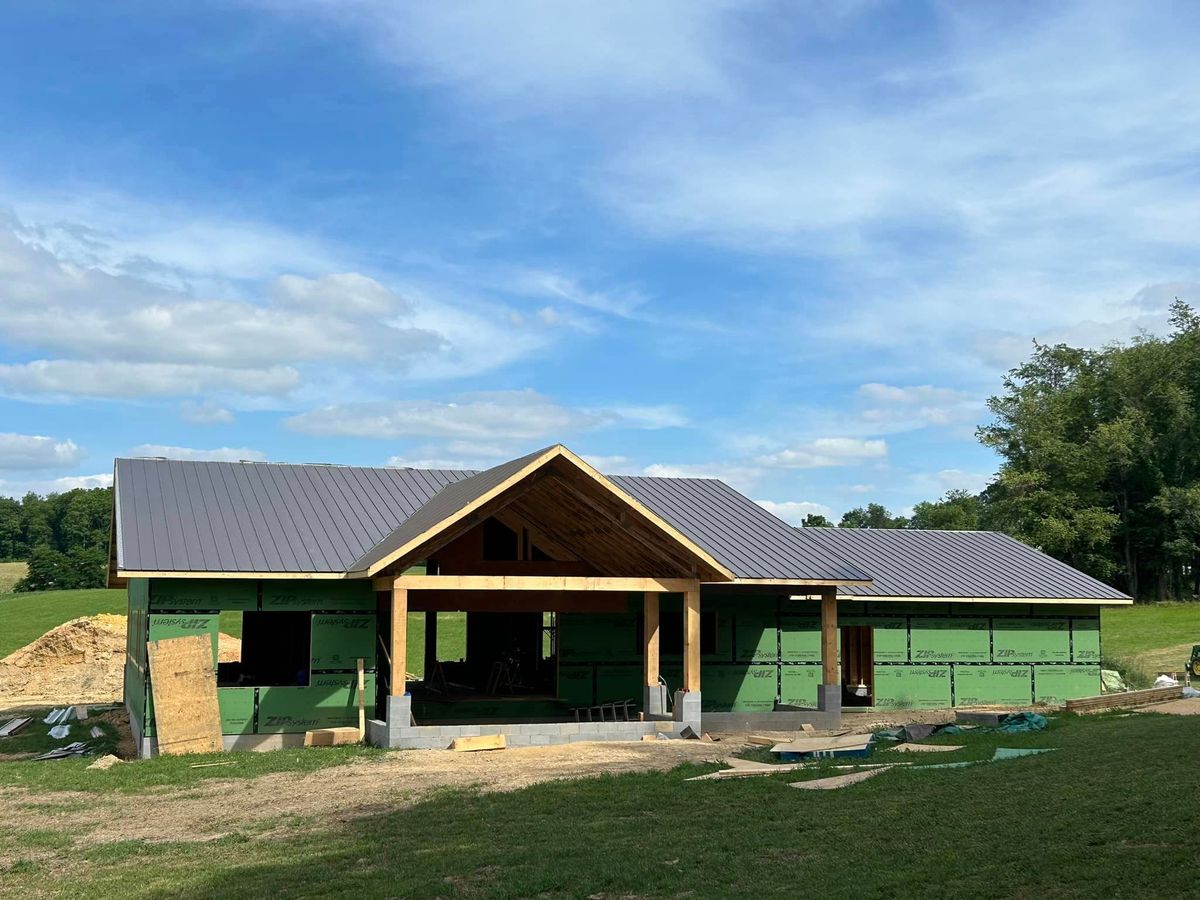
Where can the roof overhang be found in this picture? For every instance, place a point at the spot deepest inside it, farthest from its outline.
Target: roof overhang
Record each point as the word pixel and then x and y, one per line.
pixel 1051 601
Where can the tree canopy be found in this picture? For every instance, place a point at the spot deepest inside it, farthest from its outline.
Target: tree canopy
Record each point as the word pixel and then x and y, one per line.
pixel 64 538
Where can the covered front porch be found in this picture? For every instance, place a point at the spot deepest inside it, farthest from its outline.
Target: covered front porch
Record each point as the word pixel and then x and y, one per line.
pixel 504 691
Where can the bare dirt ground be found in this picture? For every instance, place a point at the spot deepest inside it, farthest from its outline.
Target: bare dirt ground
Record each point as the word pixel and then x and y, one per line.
pixel 337 794
pixel 1184 707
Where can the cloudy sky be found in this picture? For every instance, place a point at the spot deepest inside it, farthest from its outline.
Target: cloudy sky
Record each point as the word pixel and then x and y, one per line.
pixel 790 245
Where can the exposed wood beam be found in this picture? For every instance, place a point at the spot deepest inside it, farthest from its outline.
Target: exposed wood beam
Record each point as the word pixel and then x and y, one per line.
pixel 829 642
pixel 399 641
pixel 532 583
pixel 691 638
pixel 650 627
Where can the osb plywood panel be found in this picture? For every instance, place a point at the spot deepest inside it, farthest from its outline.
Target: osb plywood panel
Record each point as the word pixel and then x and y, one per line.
pixel 183 682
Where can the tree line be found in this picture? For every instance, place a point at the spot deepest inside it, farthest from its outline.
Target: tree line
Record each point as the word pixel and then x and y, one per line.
pixel 63 538
pixel 1100 463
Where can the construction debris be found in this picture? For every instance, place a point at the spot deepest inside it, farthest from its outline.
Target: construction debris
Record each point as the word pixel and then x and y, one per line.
pixel 332 737
pixel 82 661
pixel 926 748
pixel 58 716
pixel 762 740
pixel 15 726
pixel 211 765
pixel 818 748
pixel 105 762
pixel 184 687
pixel 483 742
pixel 838 781
pixel 76 749
pixel 97 731
pixel 58 732
pixel 1127 700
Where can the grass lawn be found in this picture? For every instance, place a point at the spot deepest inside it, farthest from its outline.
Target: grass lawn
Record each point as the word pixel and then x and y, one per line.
pixel 26 617
pixel 1151 637
pixel 1110 813
pixel 10 574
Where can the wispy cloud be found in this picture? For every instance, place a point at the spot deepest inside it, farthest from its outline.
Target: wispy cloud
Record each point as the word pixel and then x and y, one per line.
pixel 217 454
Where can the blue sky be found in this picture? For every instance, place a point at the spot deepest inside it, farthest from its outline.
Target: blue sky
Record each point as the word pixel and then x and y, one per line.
pixel 794 246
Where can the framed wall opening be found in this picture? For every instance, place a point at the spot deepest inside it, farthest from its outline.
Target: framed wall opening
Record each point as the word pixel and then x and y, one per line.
pixel 858 665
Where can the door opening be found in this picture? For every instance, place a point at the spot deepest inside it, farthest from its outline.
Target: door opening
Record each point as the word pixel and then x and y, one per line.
pixel 858 666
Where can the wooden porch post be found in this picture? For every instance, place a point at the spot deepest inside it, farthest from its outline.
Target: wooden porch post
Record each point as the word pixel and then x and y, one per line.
pixel 691 639
pixel 650 619
pixel 399 640
pixel 829 632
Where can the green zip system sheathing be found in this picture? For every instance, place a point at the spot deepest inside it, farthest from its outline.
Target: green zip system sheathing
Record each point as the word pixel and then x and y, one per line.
pixel 767 652
pixel 342 626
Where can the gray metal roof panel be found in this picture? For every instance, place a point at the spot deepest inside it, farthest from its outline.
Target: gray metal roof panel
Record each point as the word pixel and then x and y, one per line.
pixel 739 533
pixel 977 564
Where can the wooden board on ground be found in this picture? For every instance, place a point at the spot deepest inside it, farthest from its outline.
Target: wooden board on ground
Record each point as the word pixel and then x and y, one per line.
pixel 483 742
pixel 13 726
pixel 762 740
pixel 927 748
pixel 187 718
pixel 1126 700
pixel 823 744
pixel 838 781
pixel 332 737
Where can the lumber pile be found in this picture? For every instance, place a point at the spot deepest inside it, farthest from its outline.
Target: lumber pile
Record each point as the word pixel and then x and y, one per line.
pixel 483 742
pixel 1126 700
pixel 332 737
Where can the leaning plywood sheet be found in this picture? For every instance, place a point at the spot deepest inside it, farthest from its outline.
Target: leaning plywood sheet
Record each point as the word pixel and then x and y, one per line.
pixel 187 718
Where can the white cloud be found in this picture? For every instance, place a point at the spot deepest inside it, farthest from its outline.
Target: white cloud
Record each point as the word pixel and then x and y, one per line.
pixel 54 485
pixel 741 476
pixel 64 378
pixel 506 416
pixel 521 56
pixel 32 451
pixel 205 413
pixel 889 407
pixel 610 465
pixel 826 452
pixel 861 488
pixel 219 454
pixel 794 511
pixel 936 484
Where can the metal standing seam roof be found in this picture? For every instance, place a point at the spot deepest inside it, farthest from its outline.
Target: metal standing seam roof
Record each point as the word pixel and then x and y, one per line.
pixel 441 505
pixel 233 517
pixel 975 564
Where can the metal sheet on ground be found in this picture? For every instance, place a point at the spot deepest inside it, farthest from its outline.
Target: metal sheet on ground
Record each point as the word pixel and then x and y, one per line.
pixel 184 682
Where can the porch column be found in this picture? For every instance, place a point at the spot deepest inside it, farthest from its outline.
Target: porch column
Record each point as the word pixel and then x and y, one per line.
pixel 691 641
pixel 687 700
pixel 399 641
pixel 655 695
pixel 829 694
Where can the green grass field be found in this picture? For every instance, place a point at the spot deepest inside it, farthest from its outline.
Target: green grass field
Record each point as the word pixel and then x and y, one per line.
pixel 10 574
pixel 1145 639
pixel 1110 813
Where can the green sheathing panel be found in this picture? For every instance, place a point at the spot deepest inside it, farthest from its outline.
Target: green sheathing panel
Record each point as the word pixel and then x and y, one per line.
pixel 339 640
pixel 1057 684
pixel 173 625
pixel 330 701
pixel 937 639
pixel 993 685
pixel 798 685
pixel 912 687
pixel 598 637
pixel 1085 639
pixel 756 636
pixel 203 594
pixel 1031 640
pixel 617 683
pixel 800 638
pixel 576 685
pixel 739 688
pixel 237 709
pixel 318 594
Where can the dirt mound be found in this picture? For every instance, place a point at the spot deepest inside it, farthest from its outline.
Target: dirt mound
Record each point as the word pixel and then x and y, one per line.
pixel 80 661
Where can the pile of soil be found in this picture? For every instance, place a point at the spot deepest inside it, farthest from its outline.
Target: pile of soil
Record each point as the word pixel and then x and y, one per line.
pixel 80 661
